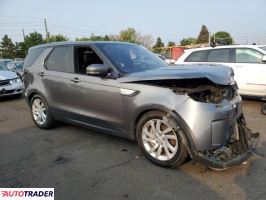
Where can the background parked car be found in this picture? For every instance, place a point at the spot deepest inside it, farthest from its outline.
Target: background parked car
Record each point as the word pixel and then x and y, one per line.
pixel 263 47
pixel 168 61
pixel 16 66
pixel 248 62
pixel 10 83
pixel 5 61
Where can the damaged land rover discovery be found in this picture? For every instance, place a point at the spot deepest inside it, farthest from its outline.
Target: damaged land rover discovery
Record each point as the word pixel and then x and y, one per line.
pixel 125 90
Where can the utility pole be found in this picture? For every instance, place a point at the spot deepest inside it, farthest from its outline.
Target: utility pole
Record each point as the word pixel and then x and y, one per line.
pixel 46 30
pixel 23 34
pixel 210 35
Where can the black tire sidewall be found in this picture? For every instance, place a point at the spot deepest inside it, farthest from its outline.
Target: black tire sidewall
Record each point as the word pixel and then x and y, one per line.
pixel 181 153
pixel 263 109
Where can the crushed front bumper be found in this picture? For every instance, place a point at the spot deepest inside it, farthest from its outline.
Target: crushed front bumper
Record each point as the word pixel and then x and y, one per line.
pixel 235 152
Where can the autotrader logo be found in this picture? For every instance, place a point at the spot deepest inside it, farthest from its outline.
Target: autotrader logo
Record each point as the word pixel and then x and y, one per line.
pixel 26 193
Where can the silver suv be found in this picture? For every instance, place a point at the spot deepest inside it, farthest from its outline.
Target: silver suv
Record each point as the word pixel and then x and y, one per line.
pixel 125 90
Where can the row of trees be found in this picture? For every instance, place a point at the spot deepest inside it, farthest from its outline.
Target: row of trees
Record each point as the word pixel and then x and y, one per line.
pixel 9 49
pixel 220 37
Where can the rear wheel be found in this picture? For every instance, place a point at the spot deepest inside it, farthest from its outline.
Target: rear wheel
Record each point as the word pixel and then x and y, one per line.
pixel 159 137
pixel 40 112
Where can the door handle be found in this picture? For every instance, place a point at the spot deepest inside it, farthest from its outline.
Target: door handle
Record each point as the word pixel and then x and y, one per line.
pixel 42 74
pixel 75 80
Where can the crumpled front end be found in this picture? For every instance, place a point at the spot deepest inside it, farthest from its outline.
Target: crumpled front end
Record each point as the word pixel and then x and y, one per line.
pixel 214 115
pixel 240 146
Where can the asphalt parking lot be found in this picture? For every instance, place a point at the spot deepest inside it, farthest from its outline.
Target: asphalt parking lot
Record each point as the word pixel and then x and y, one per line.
pixel 82 164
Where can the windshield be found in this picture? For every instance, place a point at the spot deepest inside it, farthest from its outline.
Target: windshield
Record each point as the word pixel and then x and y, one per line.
pixel 2 67
pixel 130 58
pixel 263 48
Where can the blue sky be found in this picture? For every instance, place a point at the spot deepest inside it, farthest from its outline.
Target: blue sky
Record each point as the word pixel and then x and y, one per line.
pixel 169 19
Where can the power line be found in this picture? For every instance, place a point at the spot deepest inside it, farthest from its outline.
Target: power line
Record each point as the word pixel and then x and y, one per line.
pixel 20 30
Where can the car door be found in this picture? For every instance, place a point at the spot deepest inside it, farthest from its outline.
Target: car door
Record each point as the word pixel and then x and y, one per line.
pixel 251 71
pixel 96 101
pixel 56 79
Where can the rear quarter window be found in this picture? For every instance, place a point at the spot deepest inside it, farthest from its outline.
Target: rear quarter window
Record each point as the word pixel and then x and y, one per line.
pixel 33 55
pixel 197 56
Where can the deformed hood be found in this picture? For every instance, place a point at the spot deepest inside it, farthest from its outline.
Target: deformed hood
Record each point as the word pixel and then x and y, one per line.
pixel 5 75
pixel 219 74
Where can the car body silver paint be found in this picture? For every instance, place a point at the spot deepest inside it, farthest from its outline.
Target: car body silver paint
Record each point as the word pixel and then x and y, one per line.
pixel 219 74
pixel 97 102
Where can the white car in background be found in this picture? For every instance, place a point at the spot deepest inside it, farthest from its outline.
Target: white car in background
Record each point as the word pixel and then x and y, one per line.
pixel 167 60
pixel 263 47
pixel 248 62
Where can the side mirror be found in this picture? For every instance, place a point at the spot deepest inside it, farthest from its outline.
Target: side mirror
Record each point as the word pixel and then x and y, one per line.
pixel 97 70
pixel 264 58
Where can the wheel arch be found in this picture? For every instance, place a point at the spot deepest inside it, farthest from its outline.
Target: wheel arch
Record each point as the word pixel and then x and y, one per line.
pixel 31 94
pixel 187 136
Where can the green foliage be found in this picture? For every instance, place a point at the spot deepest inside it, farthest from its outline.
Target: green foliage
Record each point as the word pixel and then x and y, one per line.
pixel 83 39
pixel 171 44
pixel 31 40
pixel 94 38
pixel 188 41
pixel 56 38
pixel 7 47
pixel 20 50
pixel 222 37
pixel 128 35
pixel 158 46
pixel 203 35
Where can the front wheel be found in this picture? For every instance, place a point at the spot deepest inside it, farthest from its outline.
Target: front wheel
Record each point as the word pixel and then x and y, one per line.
pixel 159 137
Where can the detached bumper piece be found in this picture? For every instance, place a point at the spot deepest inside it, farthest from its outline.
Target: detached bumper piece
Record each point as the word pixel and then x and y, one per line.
pixel 241 146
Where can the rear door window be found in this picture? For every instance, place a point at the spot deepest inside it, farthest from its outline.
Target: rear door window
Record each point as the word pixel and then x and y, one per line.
pixel 245 55
pixel 197 56
pixel 60 59
pixel 219 55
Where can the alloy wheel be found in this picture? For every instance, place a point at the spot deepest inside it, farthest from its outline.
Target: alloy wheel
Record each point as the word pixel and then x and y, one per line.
pixel 159 139
pixel 39 111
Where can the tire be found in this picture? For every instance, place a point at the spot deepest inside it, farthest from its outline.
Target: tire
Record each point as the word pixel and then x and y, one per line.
pixel 154 146
pixel 46 121
pixel 263 109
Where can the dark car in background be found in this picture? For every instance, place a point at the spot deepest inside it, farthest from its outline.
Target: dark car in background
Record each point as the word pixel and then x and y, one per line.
pixel 125 90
